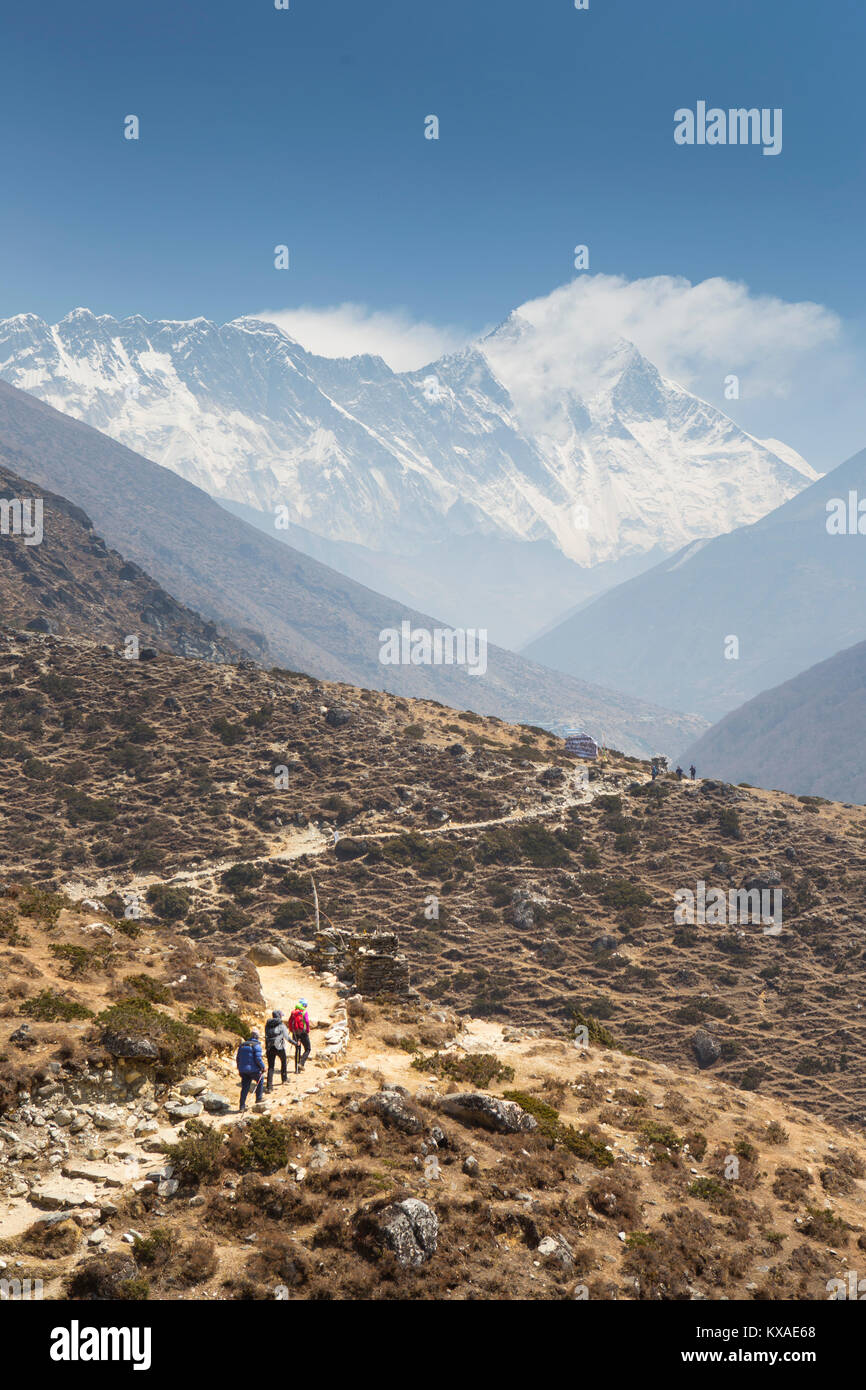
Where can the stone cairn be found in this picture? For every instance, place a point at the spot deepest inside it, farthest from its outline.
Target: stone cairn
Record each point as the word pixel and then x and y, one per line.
pixel 371 961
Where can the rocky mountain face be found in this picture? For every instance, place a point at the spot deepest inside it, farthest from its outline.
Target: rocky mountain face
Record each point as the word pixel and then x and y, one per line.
pixel 305 615
pixel 408 472
pixel 804 735
pixel 66 581
pixel 724 619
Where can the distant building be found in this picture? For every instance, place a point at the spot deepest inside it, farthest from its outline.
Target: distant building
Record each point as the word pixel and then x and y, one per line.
pixel 581 746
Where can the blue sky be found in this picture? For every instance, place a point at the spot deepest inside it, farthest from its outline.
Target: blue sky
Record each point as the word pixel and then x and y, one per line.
pixel 306 127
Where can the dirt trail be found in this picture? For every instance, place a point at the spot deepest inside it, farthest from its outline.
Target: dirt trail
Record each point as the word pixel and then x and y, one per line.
pixel 315 842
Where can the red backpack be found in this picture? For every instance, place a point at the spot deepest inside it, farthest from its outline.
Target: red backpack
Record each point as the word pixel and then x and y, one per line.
pixel 297 1023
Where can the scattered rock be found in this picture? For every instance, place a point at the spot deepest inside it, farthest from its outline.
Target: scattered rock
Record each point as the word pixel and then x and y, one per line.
pixel 489 1112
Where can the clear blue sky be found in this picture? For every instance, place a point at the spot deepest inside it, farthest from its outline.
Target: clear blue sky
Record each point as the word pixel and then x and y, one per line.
pixel 306 127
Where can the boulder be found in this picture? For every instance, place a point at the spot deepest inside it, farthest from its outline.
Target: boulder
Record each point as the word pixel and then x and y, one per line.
pixel 127 1045
pixel 263 953
pixel 337 717
pixel 178 1111
pixel 193 1086
pixel 409 1229
pixel 394 1109
pixel 215 1104
pixel 489 1112
pixel 58 1194
pixel 706 1048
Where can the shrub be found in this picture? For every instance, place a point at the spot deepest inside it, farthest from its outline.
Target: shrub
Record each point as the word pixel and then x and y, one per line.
pixel 197 1155
pixel 729 824
pixel 587 1144
pixel 154 1250
pixel 228 733
pixel 176 1042
pixel 171 904
pixel 262 1147
pixel 49 1007
pixel 42 905
pixel 476 1068
pixel 241 877
pixel 144 987
pixel 220 1020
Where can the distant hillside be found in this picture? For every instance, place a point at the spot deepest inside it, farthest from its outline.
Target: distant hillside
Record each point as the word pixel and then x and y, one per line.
pixel 312 618
pixel 71 583
pixel 804 736
pixel 791 594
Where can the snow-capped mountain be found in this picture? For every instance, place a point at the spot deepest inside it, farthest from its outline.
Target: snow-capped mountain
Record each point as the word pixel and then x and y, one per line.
pixel 487 446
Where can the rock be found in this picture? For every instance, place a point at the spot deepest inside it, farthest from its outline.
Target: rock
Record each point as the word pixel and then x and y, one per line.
pixel 395 1110
pixel 97 1237
pixel 764 882
pixel 105 1119
pixel 193 1086
pixel 59 1193
pixel 78 1124
pixel 410 1229
pixel 347 848
pixel 489 1112
pixel 177 1111
pixel 145 1127
pixel 355 1005
pixel 337 717
pixel 471 1166
pixel 556 1250
pixel 604 943
pixel 706 1048
pixel 215 1104
pixel 263 953
pixel 110 1175
pixel 23 1037
pixel 127 1045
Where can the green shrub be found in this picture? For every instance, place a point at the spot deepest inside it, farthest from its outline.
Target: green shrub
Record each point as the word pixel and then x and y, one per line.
pixel 49 1007
pixel 729 824
pixel 42 905
pixel 228 733
pixel 169 903
pixel 587 1144
pixel 475 1068
pixel 263 1146
pixel 144 987
pixel 198 1153
pixel 241 877
pixel 176 1042
pixel 220 1020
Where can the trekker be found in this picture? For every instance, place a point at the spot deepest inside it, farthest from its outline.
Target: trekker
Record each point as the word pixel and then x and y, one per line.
pixel 277 1047
pixel 655 771
pixel 680 773
pixel 692 771
pixel 299 1027
pixel 251 1068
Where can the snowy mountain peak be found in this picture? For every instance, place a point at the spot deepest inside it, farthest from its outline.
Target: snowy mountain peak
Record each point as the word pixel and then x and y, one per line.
pixel 584 446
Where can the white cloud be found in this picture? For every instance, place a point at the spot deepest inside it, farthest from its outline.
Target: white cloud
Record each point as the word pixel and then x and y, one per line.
pixel 697 334
pixel 345 330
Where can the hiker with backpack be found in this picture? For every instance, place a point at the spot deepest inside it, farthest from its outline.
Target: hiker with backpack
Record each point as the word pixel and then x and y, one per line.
pixel 693 771
pixel 299 1027
pixel 276 1047
pixel 251 1068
